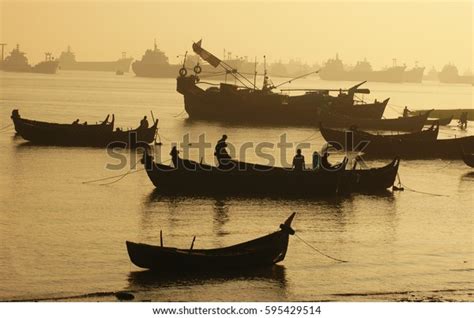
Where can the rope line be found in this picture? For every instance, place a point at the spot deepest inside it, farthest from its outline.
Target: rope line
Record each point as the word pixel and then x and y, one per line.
pixel 179 113
pixel 108 178
pixel 124 175
pixel 421 192
pixel 7 126
pixel 314 248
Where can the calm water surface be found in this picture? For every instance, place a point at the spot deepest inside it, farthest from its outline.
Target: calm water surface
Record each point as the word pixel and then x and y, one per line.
pixel 62 239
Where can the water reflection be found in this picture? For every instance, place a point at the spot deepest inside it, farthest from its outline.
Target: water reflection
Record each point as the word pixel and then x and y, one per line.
pixel 221 216
pixel 148 280
pixel 468 176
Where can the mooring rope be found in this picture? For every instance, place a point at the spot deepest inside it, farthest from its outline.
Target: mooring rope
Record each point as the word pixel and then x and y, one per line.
pixel 314 248
pixel 123 176
pixel 179 113
pixel 108 178
pixel 7 126
pixel 417 191
pixel 119 176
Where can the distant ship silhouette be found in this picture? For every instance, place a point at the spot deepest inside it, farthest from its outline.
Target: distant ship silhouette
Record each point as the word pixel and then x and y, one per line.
pixel 67 61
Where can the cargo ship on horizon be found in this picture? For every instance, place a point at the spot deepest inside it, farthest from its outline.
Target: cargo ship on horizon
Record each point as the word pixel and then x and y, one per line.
pixel 18 62
pixel 334 70
pixel 67 61
pixel 450 74
pixel 155 63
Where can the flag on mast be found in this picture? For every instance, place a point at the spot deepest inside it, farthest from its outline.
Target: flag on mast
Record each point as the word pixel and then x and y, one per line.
pixel 205 55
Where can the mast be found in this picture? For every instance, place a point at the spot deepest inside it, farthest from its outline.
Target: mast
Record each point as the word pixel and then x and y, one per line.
pixel 265 78
pixel 255 74
pixel 3 51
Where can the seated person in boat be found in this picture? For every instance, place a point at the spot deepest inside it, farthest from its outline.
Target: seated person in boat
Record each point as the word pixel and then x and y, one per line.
pixel 298 161
pixel 85 123
pixel 143 123
pixel 406 112
pixel 325 162
pixel 221 152
pixel 76 122
pixel 174 156
pixel 316 160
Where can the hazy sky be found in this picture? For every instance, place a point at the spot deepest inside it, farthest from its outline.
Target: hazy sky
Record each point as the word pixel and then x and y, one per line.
pixel 433 33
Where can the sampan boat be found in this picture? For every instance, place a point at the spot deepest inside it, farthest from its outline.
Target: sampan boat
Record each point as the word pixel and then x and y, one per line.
pixel 40 132
pixel 95 135
pixel 441 121
pixel 410 124
pixel 132 138
pixel 421 147
pixel 263 251
pixel 354 138
pixel 373 180
pixel 241 178
pixel 468 158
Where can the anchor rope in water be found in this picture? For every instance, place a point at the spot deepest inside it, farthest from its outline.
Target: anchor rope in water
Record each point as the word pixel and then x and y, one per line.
pixel 314 248
pixel 417 191
pixel 7 126
pixel 120 176
pixel 175 116
pixel 112 177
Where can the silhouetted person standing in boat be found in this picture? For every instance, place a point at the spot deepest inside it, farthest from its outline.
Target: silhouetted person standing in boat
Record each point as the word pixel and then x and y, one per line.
pixel 316 160
pixel 221 151
pixel 463 120
pixel 406 112
pixel 298 161
pixel 144 123
pixel 174 156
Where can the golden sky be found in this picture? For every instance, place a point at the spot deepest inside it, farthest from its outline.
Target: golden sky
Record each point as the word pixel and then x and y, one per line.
pixel 431 32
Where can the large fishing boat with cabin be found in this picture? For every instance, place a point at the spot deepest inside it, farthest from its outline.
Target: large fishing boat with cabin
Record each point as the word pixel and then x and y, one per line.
pixel 246 103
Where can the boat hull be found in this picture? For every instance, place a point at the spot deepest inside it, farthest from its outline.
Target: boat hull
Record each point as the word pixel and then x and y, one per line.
pixel 257 180
pixel 409 124
pixel 468 159
pixel 227 104
pixel 101 135
pixel 421 148
pixel 263 251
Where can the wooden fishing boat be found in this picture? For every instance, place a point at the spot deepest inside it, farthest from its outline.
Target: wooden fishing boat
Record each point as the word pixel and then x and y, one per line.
pixel 446 113
pixel 421 147
pixel 61 134
pixel 410 124
pixel 20 124
pixel 441 121
pixel 132 138
pixel 95 135
pixel 372 180
pixel 355 139
pixel 263 251
pixel 468 158
pixel 241 178
pixel 243 102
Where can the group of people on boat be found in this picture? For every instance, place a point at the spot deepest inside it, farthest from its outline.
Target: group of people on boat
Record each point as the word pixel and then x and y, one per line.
pixel 318 161
pixel 223 157
pixel 76 122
